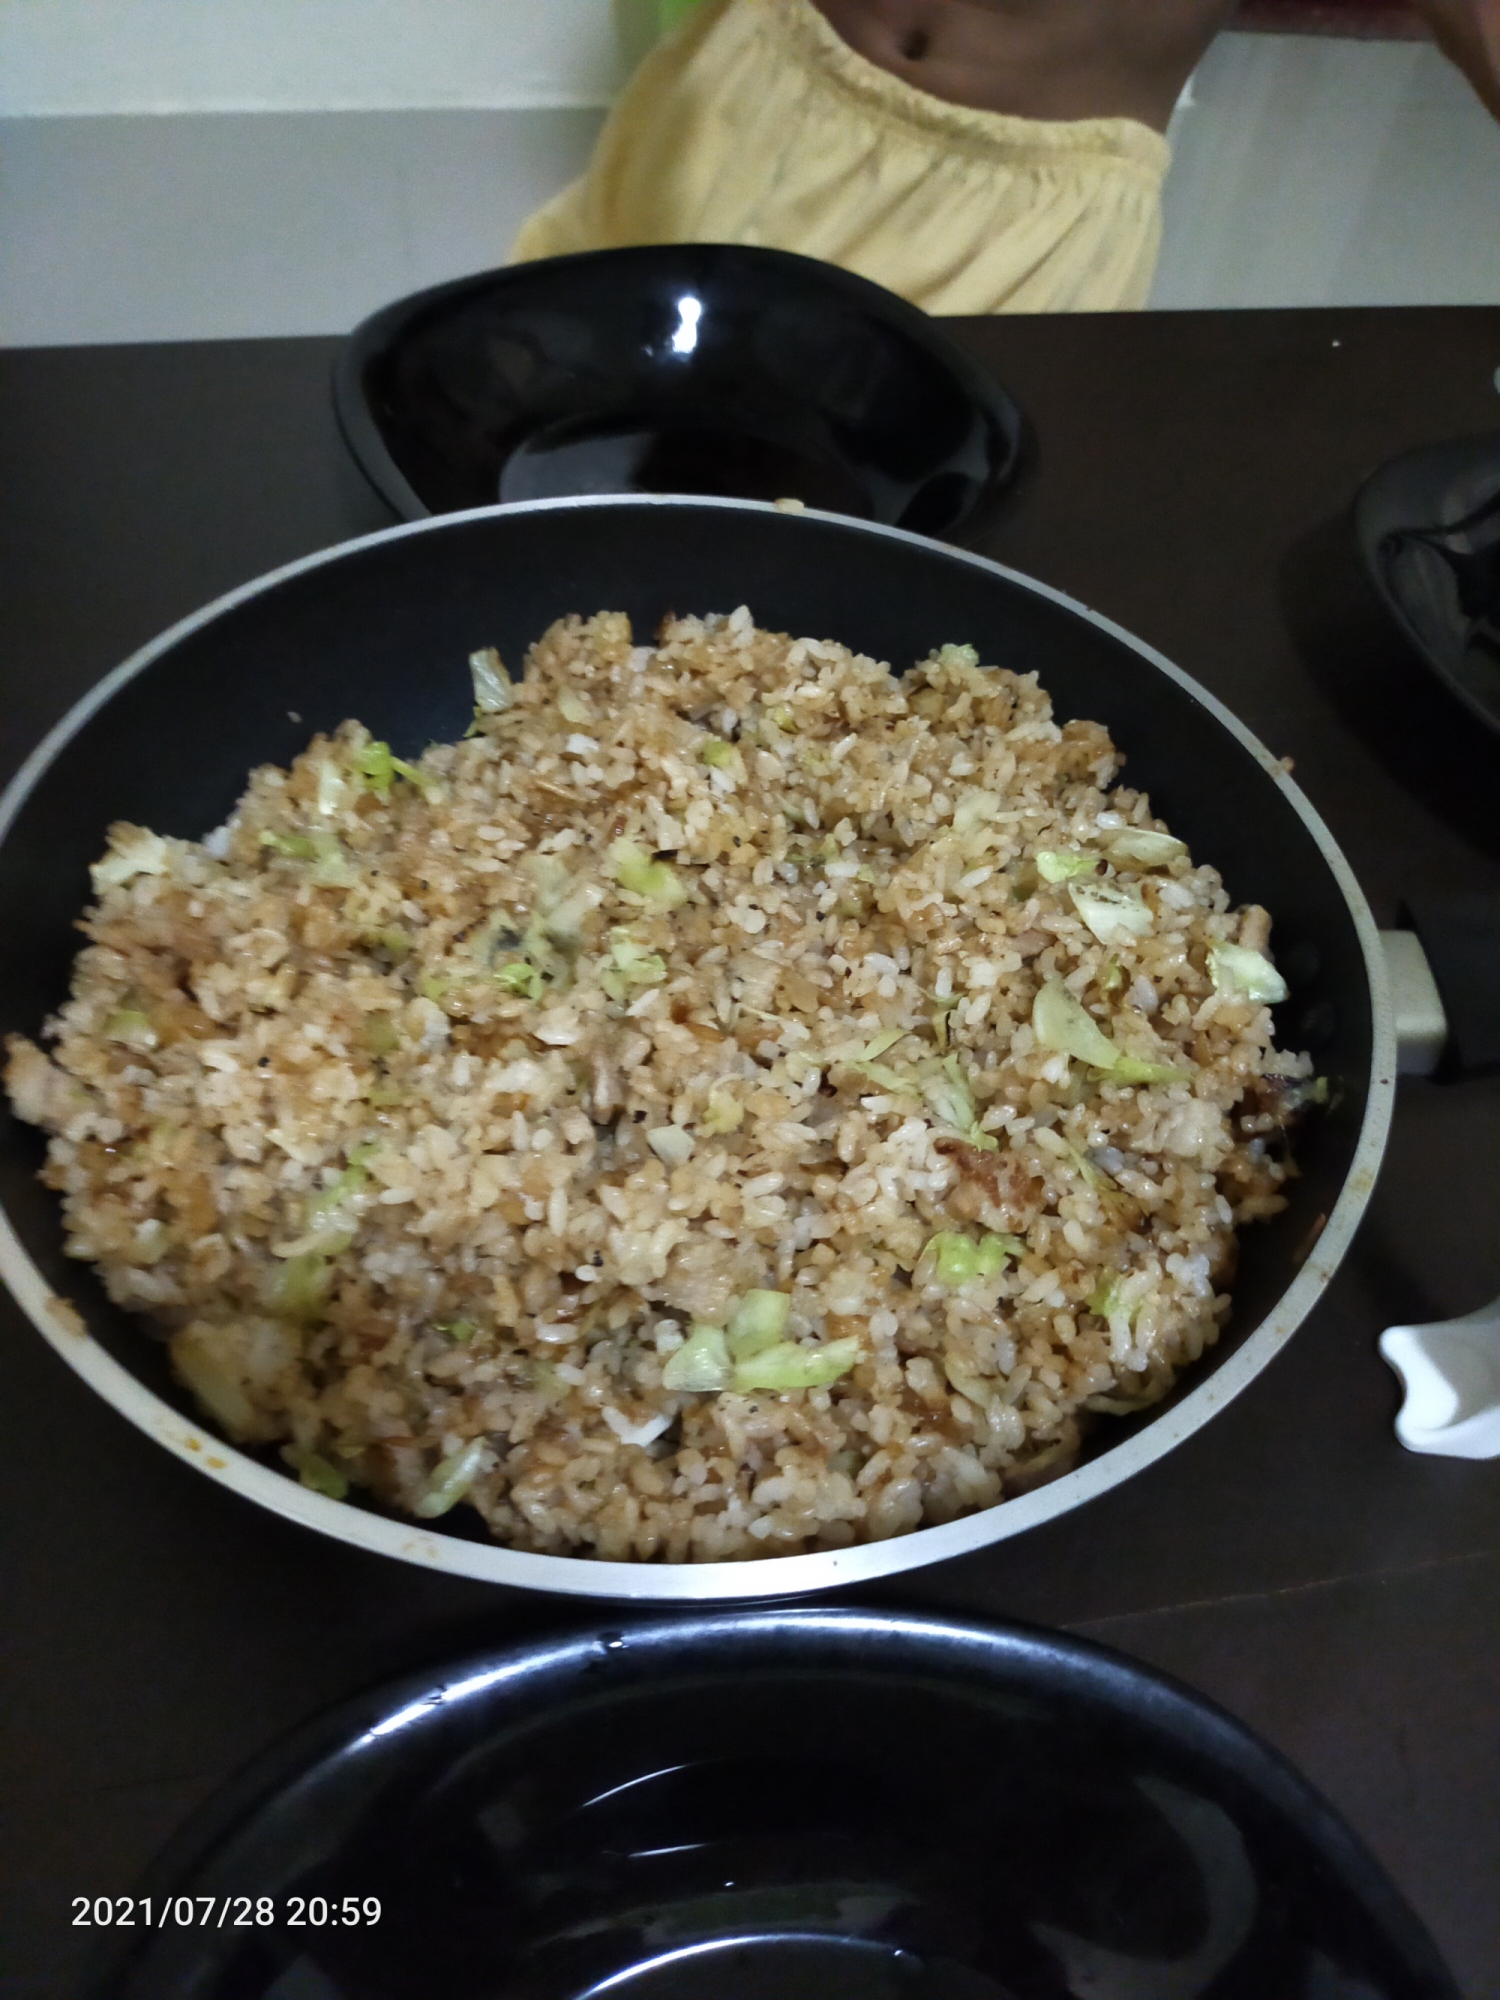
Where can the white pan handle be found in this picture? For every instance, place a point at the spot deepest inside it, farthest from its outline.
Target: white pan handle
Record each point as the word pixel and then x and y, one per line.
pixel 1451 1374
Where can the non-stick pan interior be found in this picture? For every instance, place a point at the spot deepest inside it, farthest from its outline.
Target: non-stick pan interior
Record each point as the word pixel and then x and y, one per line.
pixel 382 631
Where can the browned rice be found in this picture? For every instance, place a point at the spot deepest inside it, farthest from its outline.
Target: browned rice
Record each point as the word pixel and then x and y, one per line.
pixel 520 1261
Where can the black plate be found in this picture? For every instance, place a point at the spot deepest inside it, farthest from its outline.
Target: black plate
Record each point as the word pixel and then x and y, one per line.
pixel 690 368
pixel 816 1805
pixel 1429 530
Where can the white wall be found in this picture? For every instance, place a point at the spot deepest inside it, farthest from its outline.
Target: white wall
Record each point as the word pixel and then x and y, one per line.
pixel 79 58
pixel 1312 172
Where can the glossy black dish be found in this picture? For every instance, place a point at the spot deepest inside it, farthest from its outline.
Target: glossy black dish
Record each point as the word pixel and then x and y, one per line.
pixel 817 1805
pixel 1429 532
pixel 680 368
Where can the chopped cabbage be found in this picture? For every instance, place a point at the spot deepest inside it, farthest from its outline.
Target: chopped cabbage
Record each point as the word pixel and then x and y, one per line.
pixel 381 1034
pixel 1054 866
pixel 757 1322
pixel 377 767
pixel 722 1113
pixel 519 977
pixel 1062 1023
pixel 133 850
pixel 947 1096
pixel 656 881
pixel 572 708
pixel 332 869
pixel 330 787
pixel 1143 846
pixel 316 1472
pixel 1131 1069
pixel 671 1144
pixel 955 1259
pixel 630 965
pixel 426 784
pixel 492 686
pixel 957 656
pixel 788 1366
pixel 1234 968
pixel 974 810
pixel 300 1287
pixel 1111 913
pixel 295 846
pixel 132 1027
pixel 717 754
pixel 329 1228
pixel 451 1480
pixel 701 1364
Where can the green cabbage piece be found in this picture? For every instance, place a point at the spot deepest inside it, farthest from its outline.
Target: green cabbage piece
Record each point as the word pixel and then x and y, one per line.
pixel 1054 866
pixel 301 1287
pixel 1063 1024
pixel 133 850
pixel 519 977
pixel 295 846
pixel 630 965
pixel 757 1322
pixel 131 1026
pixel 1234 968
pixel 381 1034
pixel 1113 915
pixel 701 1364
pixel 492 685
pixel 1143 846
pixel 656 881
pixel 947 1096
pixel 377 767
pixel 955 1259
pixel 451 1480
pixel 789 1366
pixel 717 754
pixel 315 1471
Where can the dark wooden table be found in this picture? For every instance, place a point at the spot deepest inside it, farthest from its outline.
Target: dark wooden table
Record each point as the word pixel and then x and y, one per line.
pixel 1338 1594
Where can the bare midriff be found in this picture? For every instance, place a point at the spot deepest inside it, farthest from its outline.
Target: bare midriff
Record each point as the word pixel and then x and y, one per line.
pixel 1048 59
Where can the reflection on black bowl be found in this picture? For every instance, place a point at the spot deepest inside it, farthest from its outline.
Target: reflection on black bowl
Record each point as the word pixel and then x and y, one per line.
pixel 829 1805
pixel 694 368
pixel 1429 530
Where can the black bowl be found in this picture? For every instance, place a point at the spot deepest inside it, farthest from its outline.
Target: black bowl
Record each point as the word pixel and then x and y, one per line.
pixel 1429 531
pixel 830 1805
pixel 687 368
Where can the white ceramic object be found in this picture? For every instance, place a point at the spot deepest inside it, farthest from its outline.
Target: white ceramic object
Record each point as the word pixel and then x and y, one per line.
pixel 1451 1374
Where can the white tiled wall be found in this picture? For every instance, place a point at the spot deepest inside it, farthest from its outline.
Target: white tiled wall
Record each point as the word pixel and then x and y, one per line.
pixel 205 168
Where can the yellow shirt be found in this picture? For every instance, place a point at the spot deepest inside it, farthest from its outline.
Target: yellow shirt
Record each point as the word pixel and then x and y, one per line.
pixel 755 123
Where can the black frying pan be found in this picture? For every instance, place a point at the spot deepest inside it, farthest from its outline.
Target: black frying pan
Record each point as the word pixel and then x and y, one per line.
pixel 381 629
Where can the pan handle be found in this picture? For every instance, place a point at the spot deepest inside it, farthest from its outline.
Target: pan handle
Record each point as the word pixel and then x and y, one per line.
pixel 1445 979
pixel 1450 1372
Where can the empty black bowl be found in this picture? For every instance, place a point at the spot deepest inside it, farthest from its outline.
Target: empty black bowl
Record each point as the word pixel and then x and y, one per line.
pixel 686 368
pixel 807 1805
pixel 1428 524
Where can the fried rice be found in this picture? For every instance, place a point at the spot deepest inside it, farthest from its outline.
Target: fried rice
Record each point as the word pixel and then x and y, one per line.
pixel 735 1102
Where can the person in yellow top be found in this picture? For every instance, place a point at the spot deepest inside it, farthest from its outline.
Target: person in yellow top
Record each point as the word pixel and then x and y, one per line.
pixel 976 156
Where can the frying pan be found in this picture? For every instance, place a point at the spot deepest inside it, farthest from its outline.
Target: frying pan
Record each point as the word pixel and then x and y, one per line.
pixel 382 629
